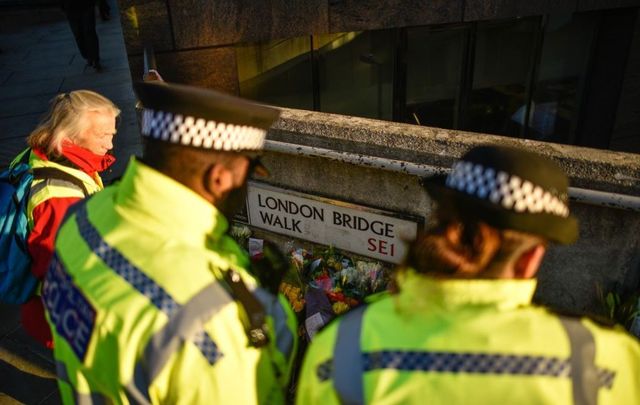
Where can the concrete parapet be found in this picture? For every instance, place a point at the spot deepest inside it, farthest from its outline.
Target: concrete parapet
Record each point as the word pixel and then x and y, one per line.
pixel 596 169
pixel 608 252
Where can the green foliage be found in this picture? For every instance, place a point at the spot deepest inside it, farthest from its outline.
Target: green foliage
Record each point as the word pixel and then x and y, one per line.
pixel 622 310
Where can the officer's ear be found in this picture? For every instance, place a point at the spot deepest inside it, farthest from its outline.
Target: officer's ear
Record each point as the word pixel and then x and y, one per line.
pixel 218 181
pixel 529 262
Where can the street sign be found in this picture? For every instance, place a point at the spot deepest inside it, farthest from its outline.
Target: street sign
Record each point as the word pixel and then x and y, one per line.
pixel 366 231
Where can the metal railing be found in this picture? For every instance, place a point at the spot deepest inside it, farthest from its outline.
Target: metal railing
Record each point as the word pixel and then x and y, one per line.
pixel 581 195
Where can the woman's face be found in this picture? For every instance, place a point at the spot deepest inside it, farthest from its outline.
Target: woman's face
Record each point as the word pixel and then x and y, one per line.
pixel 98 134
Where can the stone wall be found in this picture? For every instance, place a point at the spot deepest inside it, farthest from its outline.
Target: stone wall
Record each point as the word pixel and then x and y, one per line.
pixel 194 38
pixel 607 254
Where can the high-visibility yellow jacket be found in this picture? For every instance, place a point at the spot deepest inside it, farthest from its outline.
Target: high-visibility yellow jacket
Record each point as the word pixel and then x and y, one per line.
pixel 137 308
pixel 45 189
pixel 50 196
pixel 467 342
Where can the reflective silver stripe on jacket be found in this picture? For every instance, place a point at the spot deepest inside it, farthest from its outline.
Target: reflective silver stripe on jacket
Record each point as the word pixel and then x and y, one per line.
pixel 274 308
pixel 54 182
pixel 349 364
pixel 137 390
pixel 61 372
pixel 81 399
pixel 186 322
pixel 139 280
pixel 583 369
pixel 347 359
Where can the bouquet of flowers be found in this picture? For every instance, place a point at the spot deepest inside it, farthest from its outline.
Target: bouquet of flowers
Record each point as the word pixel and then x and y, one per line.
pixel 318 286
pixel 334 284
pixel 292 285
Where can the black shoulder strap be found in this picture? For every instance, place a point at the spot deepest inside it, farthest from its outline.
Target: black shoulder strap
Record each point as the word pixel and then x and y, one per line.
pixel 257 330
pixel 53 173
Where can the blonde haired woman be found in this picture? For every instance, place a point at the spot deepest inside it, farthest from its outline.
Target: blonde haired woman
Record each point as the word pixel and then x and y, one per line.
pixel 74 137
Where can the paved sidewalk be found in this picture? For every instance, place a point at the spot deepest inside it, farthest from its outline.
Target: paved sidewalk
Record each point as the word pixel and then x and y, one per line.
pixel 39 59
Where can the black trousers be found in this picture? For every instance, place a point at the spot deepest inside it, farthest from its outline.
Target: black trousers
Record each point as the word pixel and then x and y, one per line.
pixel 105 10
pixel 83 26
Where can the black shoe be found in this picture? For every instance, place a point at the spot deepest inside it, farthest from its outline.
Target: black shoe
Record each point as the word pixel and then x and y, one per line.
pixel 97 67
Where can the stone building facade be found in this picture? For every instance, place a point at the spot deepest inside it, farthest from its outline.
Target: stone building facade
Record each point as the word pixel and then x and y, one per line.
pixel 562 71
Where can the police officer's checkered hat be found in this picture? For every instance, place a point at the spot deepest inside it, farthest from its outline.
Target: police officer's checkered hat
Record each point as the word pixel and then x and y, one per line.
pixel 202 118
pixel 508 188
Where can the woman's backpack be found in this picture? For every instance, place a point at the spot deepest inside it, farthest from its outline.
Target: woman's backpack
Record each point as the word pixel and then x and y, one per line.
pixel 17 283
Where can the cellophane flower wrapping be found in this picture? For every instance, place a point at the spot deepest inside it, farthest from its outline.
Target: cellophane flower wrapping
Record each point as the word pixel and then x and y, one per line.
pixel 322 283
pixel 344 282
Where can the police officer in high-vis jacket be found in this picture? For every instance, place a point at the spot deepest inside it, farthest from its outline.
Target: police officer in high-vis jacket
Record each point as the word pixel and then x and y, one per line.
pixel 148 298
pixel 459 327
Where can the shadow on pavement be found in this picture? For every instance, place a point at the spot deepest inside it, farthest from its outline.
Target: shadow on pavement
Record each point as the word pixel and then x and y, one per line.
pixel 26 387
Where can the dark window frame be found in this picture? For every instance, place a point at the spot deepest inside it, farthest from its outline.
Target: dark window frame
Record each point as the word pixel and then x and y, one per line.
pixel 467 70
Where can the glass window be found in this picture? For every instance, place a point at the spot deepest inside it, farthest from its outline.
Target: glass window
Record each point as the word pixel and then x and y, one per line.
pixel 277 72
pixel 355 73
pixel 501 71
pixel 563 67
pixel 434 64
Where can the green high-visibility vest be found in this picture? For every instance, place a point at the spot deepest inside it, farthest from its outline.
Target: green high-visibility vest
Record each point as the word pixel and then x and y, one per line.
pixel 139 312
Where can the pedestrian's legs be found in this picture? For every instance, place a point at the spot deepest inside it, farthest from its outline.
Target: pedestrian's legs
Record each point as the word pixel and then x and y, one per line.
pixel 75 23
pixel 105 10
pixel 91 37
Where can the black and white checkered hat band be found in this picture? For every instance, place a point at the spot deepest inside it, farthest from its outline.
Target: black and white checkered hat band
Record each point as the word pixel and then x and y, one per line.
pixel 201 133
pixel 509 191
